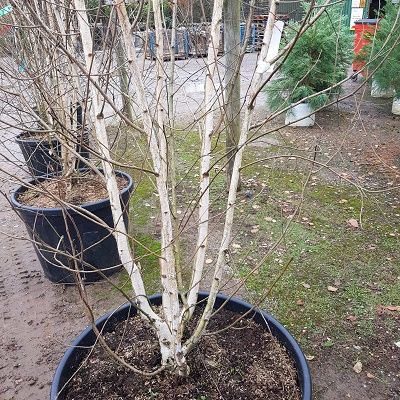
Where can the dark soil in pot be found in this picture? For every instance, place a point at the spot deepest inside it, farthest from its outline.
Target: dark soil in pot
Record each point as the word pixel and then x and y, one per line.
pixel 86 188
pixel 67 238
pixel 42 156
pixel 243 362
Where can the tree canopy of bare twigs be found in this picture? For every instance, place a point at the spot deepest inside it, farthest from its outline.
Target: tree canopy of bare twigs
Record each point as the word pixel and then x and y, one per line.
pixel 120 64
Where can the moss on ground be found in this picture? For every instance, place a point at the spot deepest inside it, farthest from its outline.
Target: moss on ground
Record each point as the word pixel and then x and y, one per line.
pixel 147 251
pixel 359 264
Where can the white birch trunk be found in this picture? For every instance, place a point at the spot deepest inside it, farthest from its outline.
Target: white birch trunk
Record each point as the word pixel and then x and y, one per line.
pixel 204 203
pixel 171 344
pixel 64 96
pixel 221 263
pixel 171 144
pixel 109 175
pixel 170 293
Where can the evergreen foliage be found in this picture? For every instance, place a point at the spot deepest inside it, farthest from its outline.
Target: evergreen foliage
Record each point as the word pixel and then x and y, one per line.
pixel 379 51
pixel 318 60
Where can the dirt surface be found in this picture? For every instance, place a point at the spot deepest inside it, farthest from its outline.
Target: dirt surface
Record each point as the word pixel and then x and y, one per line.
pixel 77 191
pixel 39 319
pixel 220 365
pixel 358 138
pixel 332 368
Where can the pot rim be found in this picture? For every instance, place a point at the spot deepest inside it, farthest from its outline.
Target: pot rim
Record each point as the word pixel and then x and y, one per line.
pixel 89 206
pixel 20 139
pixel 278 330
pixel 303 103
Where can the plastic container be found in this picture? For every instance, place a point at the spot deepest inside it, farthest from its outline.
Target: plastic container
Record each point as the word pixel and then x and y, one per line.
pixel 396 106
pixel 43 157
pixel 92 245
pixel 81 345
pixel 301 115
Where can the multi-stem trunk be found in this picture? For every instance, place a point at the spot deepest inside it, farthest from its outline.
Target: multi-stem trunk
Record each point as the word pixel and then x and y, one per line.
pixel 162 327
pixel 170 338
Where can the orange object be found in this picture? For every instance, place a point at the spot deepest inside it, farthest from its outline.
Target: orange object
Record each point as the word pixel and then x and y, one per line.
pixel 364 30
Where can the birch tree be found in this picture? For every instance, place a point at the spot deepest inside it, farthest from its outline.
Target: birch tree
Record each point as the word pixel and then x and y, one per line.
pixel 86 68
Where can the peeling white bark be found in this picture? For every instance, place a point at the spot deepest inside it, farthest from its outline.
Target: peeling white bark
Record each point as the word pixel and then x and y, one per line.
pixel 65 97
pixel 204 203
pixel 169 338
pixel 109 175
pixel 230 207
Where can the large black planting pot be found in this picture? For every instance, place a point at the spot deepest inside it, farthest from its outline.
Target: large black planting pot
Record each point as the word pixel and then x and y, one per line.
pixel 92 244
pixel 80 346
pixel 43 157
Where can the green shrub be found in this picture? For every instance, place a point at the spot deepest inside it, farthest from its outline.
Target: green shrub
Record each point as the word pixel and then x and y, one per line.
pixel 318 60
pixel 384 50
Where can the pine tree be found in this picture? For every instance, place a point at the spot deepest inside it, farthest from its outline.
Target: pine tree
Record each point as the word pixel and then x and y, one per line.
pixel 384 51
pixel 318 60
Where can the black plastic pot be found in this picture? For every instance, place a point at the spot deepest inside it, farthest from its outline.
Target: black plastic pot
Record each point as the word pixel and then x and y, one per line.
pixel 80 346
pixel 43 157
pixel 92 244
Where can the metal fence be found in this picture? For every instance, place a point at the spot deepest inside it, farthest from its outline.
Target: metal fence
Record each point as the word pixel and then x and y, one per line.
pixel 290 9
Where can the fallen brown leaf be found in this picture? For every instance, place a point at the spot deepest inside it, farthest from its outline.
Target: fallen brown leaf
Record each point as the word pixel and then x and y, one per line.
pixel 353 223
pixel 392 308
